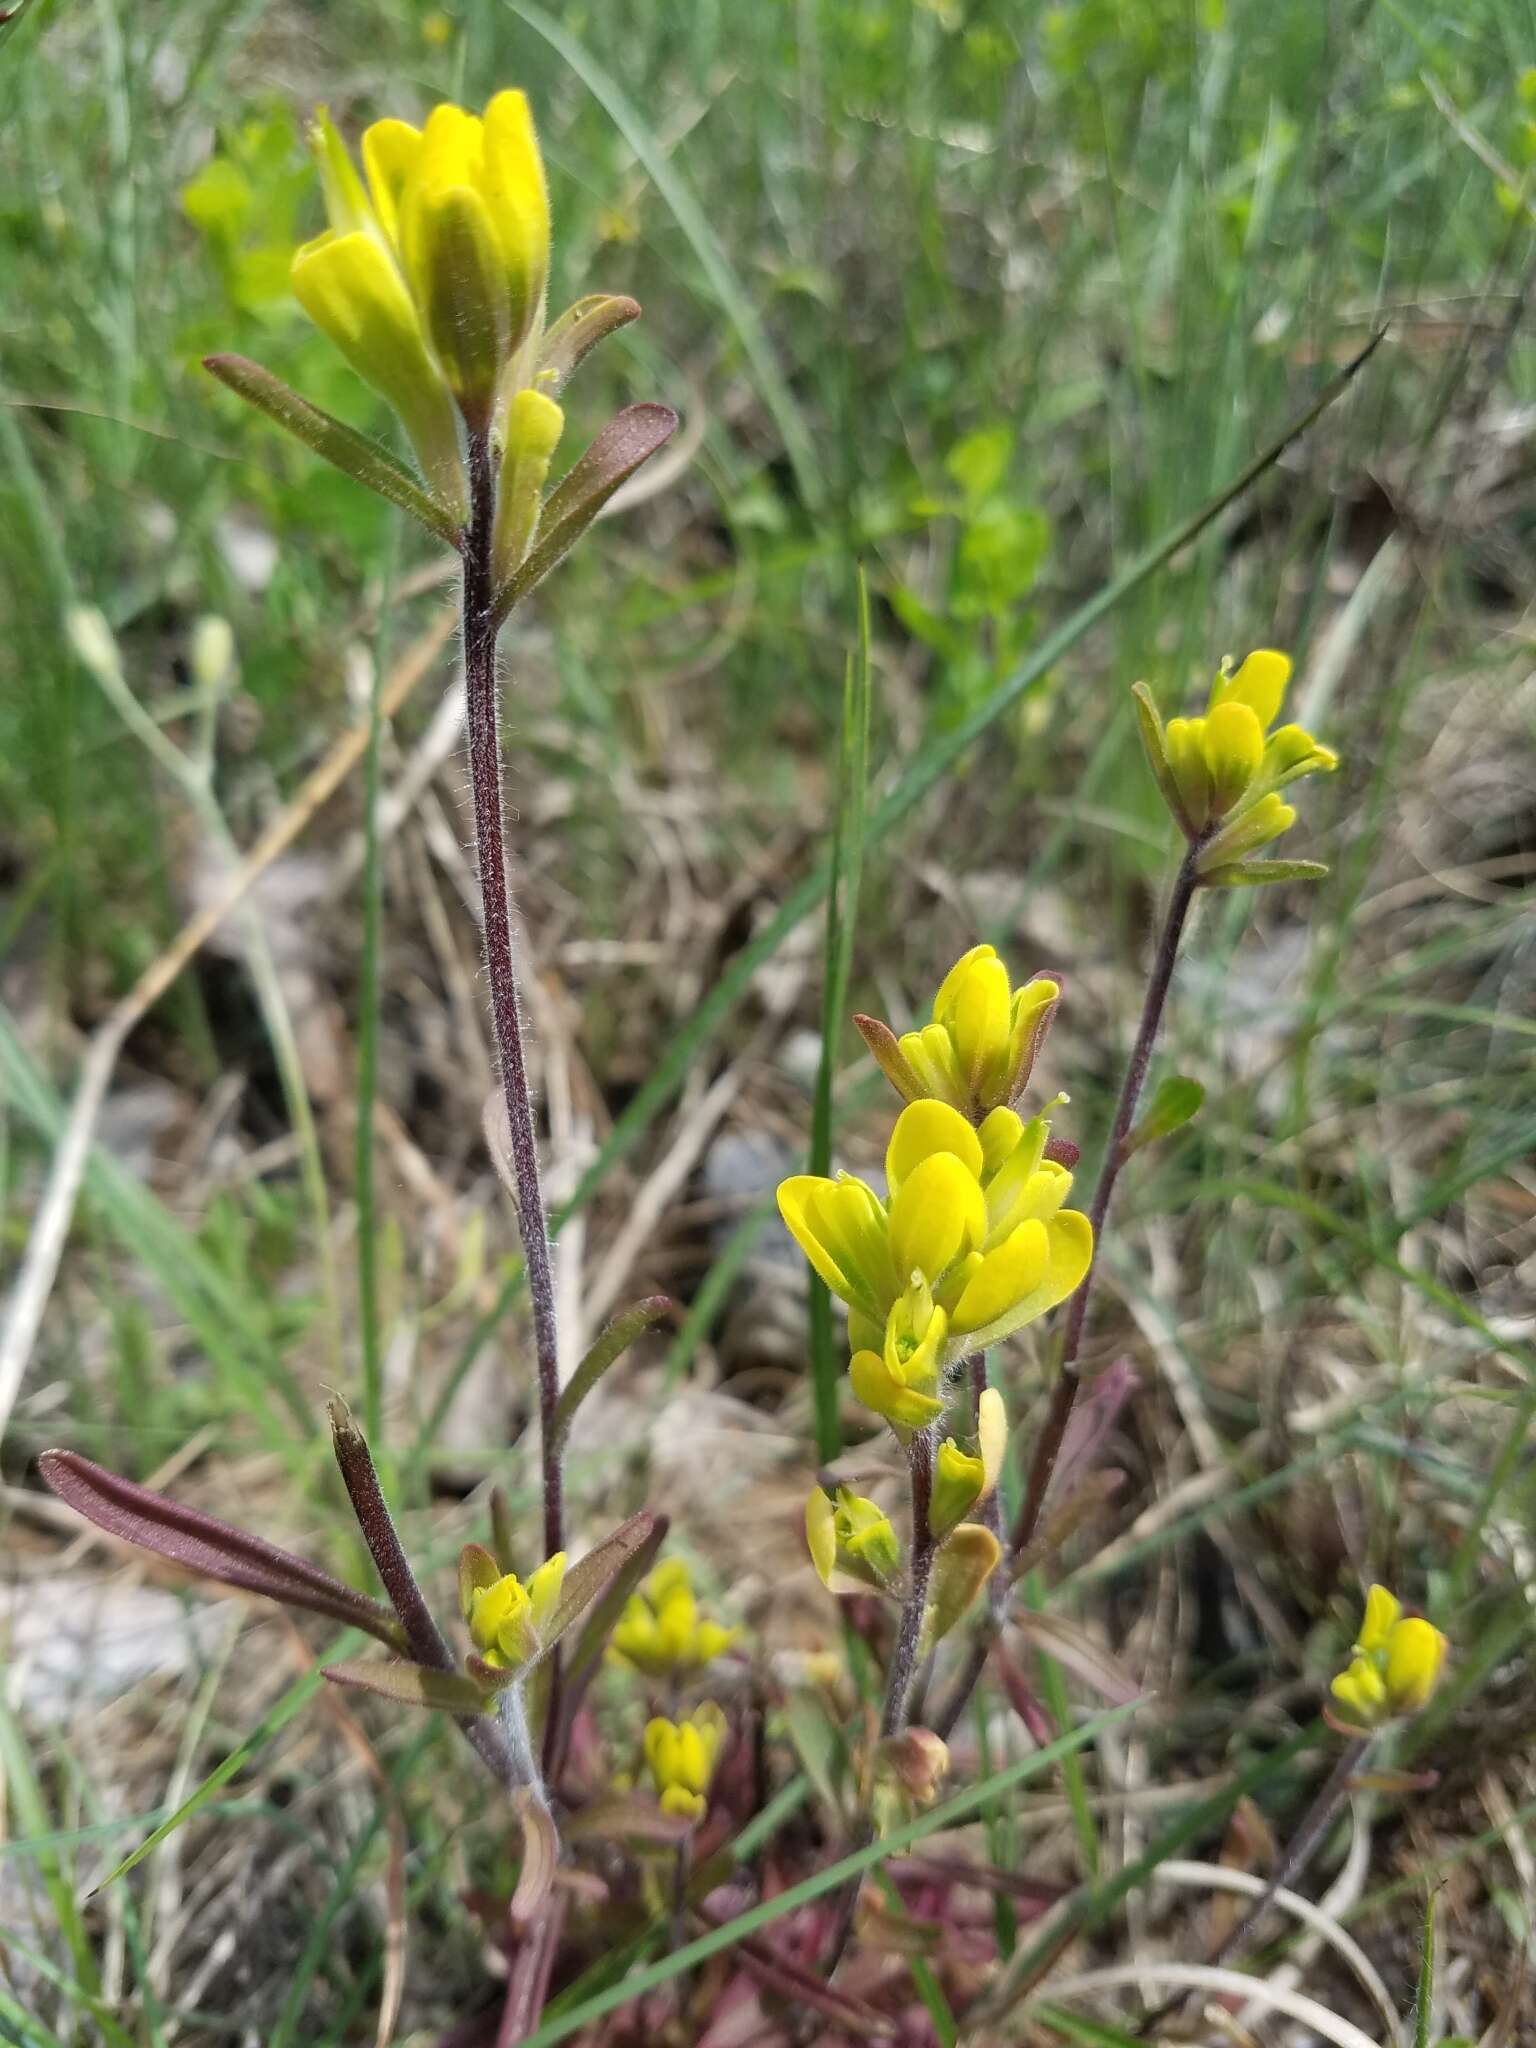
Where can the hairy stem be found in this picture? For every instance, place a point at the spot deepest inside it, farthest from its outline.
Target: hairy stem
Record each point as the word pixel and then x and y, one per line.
pixel 1065 1392
pixel 482 717
pixel 903 1665
pixel 424 1638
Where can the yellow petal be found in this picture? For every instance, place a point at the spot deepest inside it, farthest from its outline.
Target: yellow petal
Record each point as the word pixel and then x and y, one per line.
pixel 1187 766
pixel 931 1055
pixel 686 1805
pixel 1005 1278
pixel 978 1020
pixel 820 1534
pixel 991 1436
pixel 351 289
pixel 1382 1610
pixel 885 1396
pixel 518 197
pixel 1234 747
pixel 1360 1689
pixel 1248 830
pixel 534 426
pixel 949 987
pixel 939 1214
pixel 841 1228
pixel 391 150
pixel 1259 683
pixel 451 261
pixel 544 1589
pixel 958 1479
pixel 1000 1133
pixel 1415 1655
pixel 926 1128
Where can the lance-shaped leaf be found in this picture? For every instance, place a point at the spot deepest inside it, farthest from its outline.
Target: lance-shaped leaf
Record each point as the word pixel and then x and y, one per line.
pixel 629 439
pixel 1065 1520
pixel 805 1992
pixel 1176 1100
pixel 603 1617
pixel 966 1561
pixel 576 333
pixel 587 1581
pixel 354 454
pixel 410 1685
pixel 1024 1700
pixel 1098 1409
pixel 211 1548
pixel 1253 874
pixel 610 1347
pixel 1076 1651
pixel 541 1853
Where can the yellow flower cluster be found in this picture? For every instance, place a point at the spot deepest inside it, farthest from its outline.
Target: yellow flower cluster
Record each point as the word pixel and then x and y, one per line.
pixel 681 1758
pixel 430 277
pixel 507 1620
pixel 985 1036
pixel 972 1243
pixel 1221 774
pixel 661 1631
pixel 1396 1663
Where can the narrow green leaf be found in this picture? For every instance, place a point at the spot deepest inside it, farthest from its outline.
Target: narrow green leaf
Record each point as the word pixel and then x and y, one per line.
pixel 588 1580
pixel 602 1619
pixel 610 1347
pixel 1176 1100
pixel 410 1685
pixel 334 441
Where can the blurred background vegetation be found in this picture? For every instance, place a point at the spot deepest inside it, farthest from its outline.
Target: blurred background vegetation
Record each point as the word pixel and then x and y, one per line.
pixel 987 297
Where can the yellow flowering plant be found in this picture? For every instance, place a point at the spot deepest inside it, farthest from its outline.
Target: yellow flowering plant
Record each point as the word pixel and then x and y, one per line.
pixel 1394 1667
pixel 662 1633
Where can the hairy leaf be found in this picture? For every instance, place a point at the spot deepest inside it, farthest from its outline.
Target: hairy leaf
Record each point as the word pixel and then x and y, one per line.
pixel 1174 1102
pixel 334 441
pixel 578 331
pixel 410 1685
pixel 631 438
pixel 609 1348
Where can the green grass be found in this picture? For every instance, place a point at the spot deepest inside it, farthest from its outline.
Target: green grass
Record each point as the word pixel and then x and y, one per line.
pixel 996 301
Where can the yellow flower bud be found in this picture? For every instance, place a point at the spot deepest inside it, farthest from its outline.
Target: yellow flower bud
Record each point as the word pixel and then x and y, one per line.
pixel 982 1043
pixel 681 1758
pixel 1395 1667
pixel 958 1481
pixel 661 1631
pixel 1220 773
pixel 973 1243
pixel 508 1620
pixel 852 1543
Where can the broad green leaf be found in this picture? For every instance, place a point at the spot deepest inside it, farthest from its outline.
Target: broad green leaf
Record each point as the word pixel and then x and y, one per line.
pixel 1176 1100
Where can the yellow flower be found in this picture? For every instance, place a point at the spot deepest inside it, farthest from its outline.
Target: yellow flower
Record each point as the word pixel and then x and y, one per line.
pixel 430 277
pixel 681 1757
pixel 982 1043
pixel 1221 773
pixel 507 1620
pixel 851 1541
pixel 958 1483
pixel 661 1631
pixel 1396 1663
pixel 972 1243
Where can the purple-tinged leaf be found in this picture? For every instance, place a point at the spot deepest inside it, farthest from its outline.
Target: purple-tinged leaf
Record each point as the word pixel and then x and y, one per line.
pixel 576 333
pixel 609 1348
pixel 588 1648
pixel 478 1572
pixel 1062 1152
pixel 212 1549
pixel 541 1853
pixel 1035 1893
pixel 1065 1520
pixel 775 1972
pixel 1024 1701
pixel 631 438
pixel 410 1685
pixel 1095 1414
pixel 334 441
pixel 490 1677
pixel 1077 1651
pixel 885 1049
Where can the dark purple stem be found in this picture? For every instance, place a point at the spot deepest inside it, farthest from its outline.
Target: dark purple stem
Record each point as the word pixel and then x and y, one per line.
pixel 1064 1394
pixel 1048 1448
pixel 424 1638
pixel 482 705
